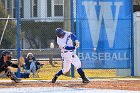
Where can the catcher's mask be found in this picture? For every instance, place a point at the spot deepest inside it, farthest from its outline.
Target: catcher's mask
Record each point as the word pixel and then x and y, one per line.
pixel 60 32
pixel 7 54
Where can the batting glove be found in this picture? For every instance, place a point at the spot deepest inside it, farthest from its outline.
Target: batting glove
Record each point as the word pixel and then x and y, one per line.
pixel 77 44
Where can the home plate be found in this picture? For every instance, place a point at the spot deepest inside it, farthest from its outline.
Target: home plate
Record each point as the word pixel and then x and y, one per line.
pixel 61 90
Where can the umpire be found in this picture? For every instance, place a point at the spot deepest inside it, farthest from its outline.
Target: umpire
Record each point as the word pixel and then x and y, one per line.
pixel 5 61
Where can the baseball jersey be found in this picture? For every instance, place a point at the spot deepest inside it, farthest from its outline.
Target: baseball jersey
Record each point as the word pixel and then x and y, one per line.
pixel 66 43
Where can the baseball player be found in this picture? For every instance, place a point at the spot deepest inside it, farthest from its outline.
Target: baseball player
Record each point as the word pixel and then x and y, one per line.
pixel 4 63
pixel 65 41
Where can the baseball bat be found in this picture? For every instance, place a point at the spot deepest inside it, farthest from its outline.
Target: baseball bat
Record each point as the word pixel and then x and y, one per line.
pixel 4 29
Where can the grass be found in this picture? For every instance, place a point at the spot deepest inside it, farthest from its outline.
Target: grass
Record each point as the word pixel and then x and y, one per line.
pixel 47 72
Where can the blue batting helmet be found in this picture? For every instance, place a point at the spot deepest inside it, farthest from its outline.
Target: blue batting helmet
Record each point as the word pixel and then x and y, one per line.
pixel 60 32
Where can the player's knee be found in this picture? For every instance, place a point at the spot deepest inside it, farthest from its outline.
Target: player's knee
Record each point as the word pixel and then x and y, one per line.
pixel 8 72
pixel 65 71
pixel 78 66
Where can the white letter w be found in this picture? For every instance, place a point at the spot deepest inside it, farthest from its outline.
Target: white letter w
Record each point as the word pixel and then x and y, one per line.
pixel 104 13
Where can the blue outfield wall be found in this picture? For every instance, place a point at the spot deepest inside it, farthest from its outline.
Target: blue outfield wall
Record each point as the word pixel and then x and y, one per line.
pixel 104 31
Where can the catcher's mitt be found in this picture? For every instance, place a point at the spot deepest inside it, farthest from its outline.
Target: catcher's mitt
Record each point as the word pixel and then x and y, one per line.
pixel 3 67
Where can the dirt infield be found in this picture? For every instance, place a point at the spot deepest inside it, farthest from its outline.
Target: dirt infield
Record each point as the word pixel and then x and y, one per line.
pixel 112 84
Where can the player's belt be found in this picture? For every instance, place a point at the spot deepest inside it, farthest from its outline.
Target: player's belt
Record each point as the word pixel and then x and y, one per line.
pixel 66 51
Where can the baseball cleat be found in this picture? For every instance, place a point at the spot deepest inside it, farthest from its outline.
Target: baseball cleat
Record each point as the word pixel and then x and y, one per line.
pixel 54 79
pixel 85 80
pixel 17 80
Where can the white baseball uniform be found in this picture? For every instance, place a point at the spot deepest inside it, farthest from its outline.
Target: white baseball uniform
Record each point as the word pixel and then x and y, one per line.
pixel 68 56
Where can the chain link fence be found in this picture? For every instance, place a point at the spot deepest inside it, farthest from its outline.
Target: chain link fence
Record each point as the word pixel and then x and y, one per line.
pixel 39 19
pixel 37 28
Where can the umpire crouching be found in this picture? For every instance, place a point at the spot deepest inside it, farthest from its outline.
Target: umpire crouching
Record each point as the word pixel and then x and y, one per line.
pixel 5 61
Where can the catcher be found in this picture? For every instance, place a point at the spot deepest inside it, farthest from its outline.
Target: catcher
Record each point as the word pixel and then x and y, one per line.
pixel 65 41
pixel 5 61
